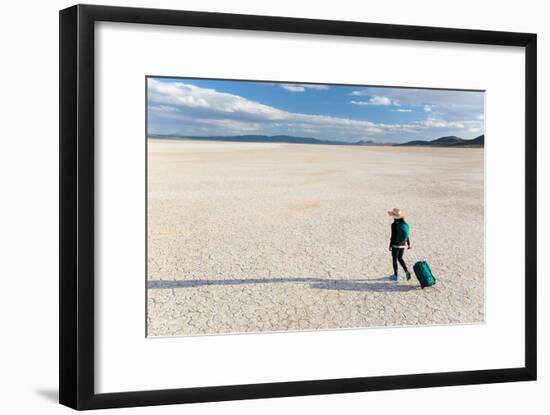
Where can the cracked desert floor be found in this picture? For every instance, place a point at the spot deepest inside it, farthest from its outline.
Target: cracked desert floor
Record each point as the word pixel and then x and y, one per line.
pixel 254 237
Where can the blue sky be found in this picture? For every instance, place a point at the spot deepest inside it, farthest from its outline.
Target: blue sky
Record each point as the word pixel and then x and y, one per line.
pixel 193 107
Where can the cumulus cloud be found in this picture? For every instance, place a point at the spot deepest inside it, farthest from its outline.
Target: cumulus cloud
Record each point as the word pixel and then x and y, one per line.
pixel 316 86
pixel 435 123
pixel 303 87
pixel 293 88
pixel 376 100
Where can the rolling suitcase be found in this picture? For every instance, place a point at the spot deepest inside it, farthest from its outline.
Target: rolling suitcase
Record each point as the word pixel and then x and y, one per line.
pixel 424 274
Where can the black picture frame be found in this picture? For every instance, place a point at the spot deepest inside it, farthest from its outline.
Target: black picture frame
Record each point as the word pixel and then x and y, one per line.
pixel 76 261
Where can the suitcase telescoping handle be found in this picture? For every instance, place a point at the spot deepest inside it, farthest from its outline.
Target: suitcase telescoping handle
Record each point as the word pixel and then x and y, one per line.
pixel 411 253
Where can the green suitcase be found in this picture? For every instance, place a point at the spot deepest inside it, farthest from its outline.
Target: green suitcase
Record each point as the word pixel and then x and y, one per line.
pixel 424 274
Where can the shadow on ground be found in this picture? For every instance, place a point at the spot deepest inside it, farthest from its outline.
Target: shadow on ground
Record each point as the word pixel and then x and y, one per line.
pixel 376 285
pixel 51 395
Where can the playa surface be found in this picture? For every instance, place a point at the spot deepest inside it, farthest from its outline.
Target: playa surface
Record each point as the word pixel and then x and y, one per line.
pixel 251 237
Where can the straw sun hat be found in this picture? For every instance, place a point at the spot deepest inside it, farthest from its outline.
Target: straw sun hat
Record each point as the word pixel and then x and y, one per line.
pixel 396 213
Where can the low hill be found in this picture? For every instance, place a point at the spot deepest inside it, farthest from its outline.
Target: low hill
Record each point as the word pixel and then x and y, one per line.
pixel 448 141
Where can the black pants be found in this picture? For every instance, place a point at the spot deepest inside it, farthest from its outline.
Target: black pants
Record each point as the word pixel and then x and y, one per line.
pixel 397 255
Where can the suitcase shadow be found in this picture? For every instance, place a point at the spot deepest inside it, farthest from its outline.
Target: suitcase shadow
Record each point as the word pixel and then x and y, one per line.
pixel 351 285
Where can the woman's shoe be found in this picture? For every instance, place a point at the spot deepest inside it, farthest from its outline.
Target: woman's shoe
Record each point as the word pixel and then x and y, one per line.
pixel 408 274
pixel 394 278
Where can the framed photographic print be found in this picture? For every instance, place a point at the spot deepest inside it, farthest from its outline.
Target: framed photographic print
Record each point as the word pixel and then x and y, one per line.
pixel 257 206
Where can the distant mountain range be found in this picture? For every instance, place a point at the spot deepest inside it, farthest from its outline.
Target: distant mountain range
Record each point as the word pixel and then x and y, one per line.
pixel 263 139
pixel 449 141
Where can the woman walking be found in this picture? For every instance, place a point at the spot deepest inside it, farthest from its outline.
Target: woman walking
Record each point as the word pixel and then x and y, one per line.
pixel 398 241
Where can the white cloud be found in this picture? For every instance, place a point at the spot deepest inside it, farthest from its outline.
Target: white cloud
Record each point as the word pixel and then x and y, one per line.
pixel 293 88
pixel 436 123
pixel 403 110
pixel 380 101
pixel 376 100
pixel 315 86
pixel 209 101
pixel 427 108
pixel 303 87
